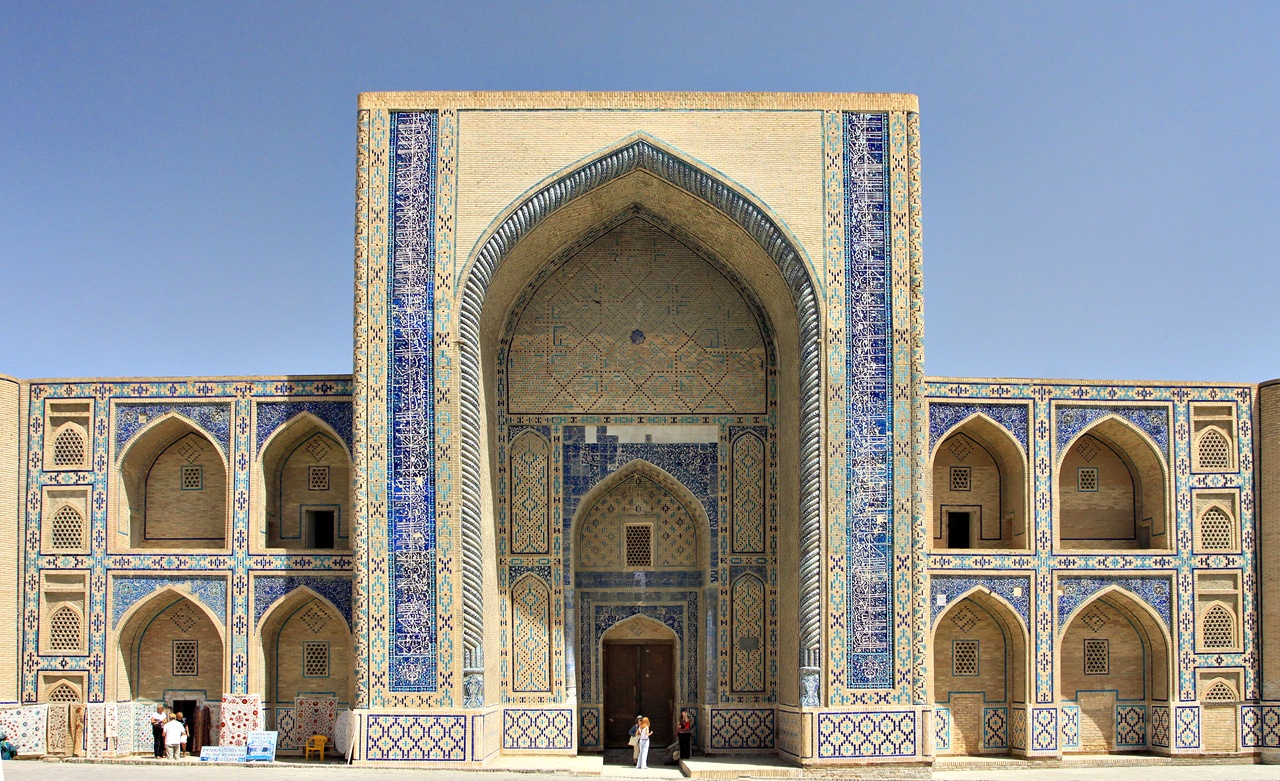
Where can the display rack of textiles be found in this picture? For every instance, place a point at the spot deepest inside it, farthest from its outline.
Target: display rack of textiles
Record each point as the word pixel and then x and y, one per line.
pixel 93 737
pixel 240 715
pixel 58 732
pixel 27 728
pixel 314 716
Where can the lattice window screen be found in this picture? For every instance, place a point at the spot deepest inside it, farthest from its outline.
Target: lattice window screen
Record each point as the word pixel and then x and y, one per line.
pixel 63 692
pixel 1219 691
pixel 64 629
pixel 315 660
pixel 192 478
pixel 317 478
pixel 1218 628
pixel 1097 656
pixel 67 529
pixel 961 478
pixel 964 657
pixel 1214 450
pixel 639 542
pixel 186 657
pixel 1217 531
pixel 1087 478
pixel 68 447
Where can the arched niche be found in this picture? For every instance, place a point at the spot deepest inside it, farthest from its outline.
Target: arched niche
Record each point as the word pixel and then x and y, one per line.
pixel 642 641
pixel 306 487
pixel 1113 654
pixel 307 648
pixel 979 665
pixel 1111 490
pixel 173 482
pixel 979 488
pixel 641 176
pixel 156 643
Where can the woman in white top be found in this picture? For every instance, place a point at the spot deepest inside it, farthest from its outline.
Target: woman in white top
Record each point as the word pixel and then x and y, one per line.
pixel 643 747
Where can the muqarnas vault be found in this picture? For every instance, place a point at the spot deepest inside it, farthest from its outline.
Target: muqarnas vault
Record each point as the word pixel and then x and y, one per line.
pixel 638 423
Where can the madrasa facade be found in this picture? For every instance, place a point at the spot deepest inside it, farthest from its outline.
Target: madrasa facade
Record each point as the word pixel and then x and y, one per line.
pixel 638 423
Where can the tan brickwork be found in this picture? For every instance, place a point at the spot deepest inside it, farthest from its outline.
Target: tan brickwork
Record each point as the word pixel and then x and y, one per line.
pixel 153 653
pixel 1269 523
pixel 11 484
pixel 1128 676
pixel 176 516
pixel 311 622
pixel 296 494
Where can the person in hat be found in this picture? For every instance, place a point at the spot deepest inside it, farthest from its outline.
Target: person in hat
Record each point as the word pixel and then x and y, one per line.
pixel 633 738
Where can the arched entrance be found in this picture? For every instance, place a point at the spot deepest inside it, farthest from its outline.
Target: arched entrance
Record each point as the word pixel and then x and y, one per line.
pixel 979 488
pixel 1111 490
pixel 639 671
pixel 1114 664
pixel 979 671
pixel 171 650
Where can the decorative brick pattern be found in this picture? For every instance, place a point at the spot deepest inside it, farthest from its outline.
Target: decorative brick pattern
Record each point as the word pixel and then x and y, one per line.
pixel 426 738
pixel 741 728
pixel 867 734
pixel 528 729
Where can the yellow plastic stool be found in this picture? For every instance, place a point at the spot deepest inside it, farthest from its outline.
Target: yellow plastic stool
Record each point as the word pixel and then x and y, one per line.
pixel 315 743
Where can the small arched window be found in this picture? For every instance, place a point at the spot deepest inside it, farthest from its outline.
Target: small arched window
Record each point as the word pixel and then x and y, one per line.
pixel 1218 628
pixel 1219 691
pixel 68 447
pixel 64 629
pixel 67 529
pixel 63 692
pixel 1217 532
pixel 1213 451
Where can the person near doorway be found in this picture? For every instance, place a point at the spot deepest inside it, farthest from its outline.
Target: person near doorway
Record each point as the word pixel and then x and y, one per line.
pixel 642 747
pixel 186 732
pixel 633 737
pixel 157 732
pixel 684 731
pixel 174 735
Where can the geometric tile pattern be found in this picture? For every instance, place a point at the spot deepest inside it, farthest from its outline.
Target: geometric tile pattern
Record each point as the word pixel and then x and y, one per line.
pixel 129 590
pixel 742 728
pixel 437 738
pixel 589 727
pixel 945 416
pixel 1154 591
pixel 749 640
pixel 1187 726
pixel 638 499
pixel 1131 725
pixel 1250 726
pixel 1271 726
pixel 531 635
pixel 1160 726
pixel 273 415
pixel 995 728
pixel 1015 590
pixel 1044 729
pixel 537 728
pixel 748 467
pixel 1152 420
pixel 941 730
pixel 636 322
pixel 1070 727
pixel 866 734
pixel 268 590
pixel 213 419
pixel 529 484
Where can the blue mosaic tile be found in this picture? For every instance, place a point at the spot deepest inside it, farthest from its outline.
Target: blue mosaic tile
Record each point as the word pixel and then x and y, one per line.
pixel 1155 590
pixel 945 415
pixel 274 414
pixel 127 590
pixel 952 587
pixel 269 589
pixel 213 418
pixel 1154 421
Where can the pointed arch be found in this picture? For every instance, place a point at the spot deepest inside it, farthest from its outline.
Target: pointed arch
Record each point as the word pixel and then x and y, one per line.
pixel 529 508
pixel 300 618
pixel 1125 611
pixel 641 170
pixel 1212 450
pixel 143 644
pixel 1122 501
pixel 530 643
pixel 1014 629
pixel 294 500
pixel 639 625
pixel 182 515
pixel 993 492
pixel 70 445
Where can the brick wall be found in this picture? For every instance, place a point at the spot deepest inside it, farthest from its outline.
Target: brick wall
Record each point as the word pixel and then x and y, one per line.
pixel 186 518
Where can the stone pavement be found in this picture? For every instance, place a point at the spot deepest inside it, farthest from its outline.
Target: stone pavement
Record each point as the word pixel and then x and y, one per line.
pixel 32 770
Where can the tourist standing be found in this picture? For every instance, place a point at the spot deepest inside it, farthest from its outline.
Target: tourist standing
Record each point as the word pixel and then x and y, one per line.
pixel 684 731
pixel 643 746
pixel 157 731
pixel 174 735
pixel 633 737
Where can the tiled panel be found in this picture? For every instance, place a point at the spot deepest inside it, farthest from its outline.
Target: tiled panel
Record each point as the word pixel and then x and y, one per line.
pixel 424 738
pixel 867 734
pixel 742 728
pixel 1131 725
pixel 528 729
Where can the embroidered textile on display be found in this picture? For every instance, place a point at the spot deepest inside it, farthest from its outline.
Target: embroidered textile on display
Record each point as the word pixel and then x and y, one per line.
pixel 59 729
pixel 344 732
pixel 314 716
pixel 241 714
pixel 94 737
pixel 27 728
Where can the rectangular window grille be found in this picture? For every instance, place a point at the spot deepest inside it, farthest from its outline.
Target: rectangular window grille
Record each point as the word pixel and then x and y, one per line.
pixel 1097 656
pixel 1087 478
pixel 964 657
pixel 185 657
pixel 318 478
pixel 192 478
pixel 639 541
pixel 961 478
pixel 315 660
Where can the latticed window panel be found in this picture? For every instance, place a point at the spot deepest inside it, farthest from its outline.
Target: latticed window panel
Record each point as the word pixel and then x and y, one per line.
pixel 64 629
pixel 1218 628
pixel 1087 478
pixel 317 478
pixel 1217 530
pixel 1214 451
pixel 315 660
pixel 192 478
pixel 63 692
pixel 964 657
pixel 66 530
pixel 961 478
pixel 1097 656
pixel 186 657
pixel 68 447
pixel 1219 691
pixel 639 545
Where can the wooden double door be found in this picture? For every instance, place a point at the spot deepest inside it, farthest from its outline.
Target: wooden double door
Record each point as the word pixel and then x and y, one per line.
pixel 639 680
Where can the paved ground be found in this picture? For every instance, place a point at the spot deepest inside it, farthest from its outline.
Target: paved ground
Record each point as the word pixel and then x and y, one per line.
pixel 52 771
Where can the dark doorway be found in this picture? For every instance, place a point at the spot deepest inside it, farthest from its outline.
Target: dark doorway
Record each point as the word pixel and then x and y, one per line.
pixel 188 710
pixel 320 528
pixel 639 680
pixel 957 530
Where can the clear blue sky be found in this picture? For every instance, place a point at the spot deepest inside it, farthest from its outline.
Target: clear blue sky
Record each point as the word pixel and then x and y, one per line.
pixel 1101 181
